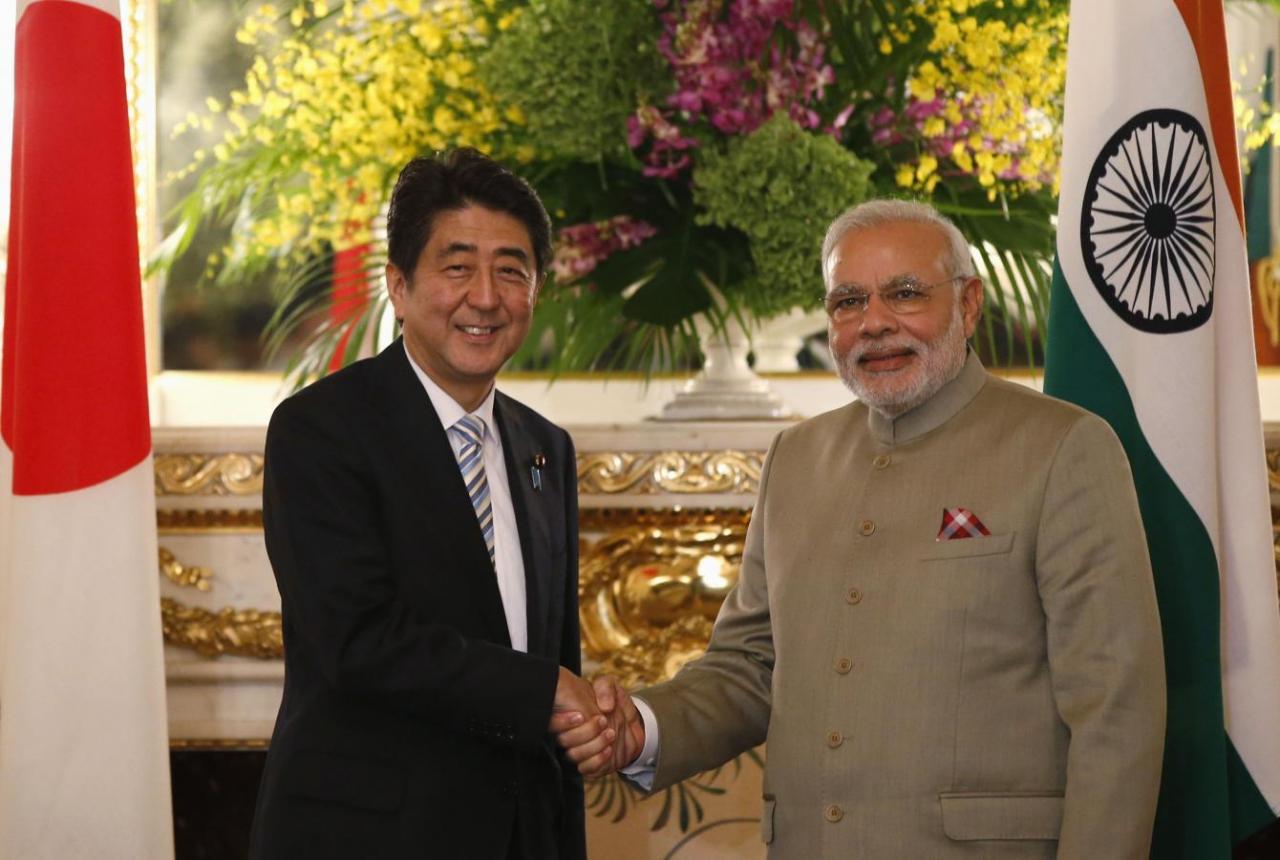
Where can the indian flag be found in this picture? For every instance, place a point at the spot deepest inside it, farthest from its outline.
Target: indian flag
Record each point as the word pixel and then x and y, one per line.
pixel 1150 328
pixel 84 768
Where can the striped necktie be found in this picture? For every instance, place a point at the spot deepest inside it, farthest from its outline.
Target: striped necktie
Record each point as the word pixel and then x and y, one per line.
pixel 470 431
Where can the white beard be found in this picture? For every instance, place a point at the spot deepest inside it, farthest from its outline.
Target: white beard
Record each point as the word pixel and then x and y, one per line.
pixel 938 363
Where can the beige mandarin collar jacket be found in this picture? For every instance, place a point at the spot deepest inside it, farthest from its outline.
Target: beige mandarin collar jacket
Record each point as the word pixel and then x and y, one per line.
pixel 992 696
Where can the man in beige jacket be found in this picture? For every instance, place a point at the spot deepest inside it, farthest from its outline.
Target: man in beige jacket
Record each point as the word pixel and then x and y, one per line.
pixel 945 626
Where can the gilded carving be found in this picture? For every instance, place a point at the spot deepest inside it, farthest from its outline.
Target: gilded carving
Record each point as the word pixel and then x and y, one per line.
pixel 615 519
pixel 180 574
pixel 692 472
pixel 218 744
pixel 1273 469
pixel 208 474
pixel 648 596
pixel 170 521
pixel 229 631
pixel 609 473
pixel 657 654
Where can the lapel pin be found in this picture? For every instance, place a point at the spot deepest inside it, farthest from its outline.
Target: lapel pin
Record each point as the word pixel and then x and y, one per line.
pixel 535 473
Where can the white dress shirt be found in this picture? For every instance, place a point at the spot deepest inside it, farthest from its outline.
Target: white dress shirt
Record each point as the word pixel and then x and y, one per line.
pixel 507 558
pixel 642 770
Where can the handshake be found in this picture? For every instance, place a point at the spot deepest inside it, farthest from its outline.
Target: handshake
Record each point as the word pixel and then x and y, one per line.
pixel 597 724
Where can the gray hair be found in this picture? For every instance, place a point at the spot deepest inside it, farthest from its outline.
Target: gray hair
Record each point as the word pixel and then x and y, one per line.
pixel 874 213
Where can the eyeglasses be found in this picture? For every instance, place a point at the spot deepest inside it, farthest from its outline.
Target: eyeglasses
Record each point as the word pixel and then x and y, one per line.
pixel 903 296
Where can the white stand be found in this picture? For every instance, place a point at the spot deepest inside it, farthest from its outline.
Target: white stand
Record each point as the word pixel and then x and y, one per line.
pixel 726 388
pixel 779 339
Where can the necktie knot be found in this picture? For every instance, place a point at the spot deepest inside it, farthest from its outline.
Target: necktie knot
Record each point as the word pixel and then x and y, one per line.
pixel 470 428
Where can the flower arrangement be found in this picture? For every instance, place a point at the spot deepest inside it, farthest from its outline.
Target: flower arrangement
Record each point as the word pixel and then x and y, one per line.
pixel 691 151
pixel 336 100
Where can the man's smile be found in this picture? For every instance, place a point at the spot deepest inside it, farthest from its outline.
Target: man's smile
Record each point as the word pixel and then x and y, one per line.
pixel 884 360
pixel 480 331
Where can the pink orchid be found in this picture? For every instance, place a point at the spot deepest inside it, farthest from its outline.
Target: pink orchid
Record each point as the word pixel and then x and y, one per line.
pixel 582 247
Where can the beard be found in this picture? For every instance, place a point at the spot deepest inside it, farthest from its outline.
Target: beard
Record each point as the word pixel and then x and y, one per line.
pixel 895 392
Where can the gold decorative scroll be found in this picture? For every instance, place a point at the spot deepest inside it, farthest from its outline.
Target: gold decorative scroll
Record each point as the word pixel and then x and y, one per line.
pixel 229 631
pixel 208 474
pixel 1273 469
pixel 589 519
pixel 610 473
pixel 648 596
pixel 691 472
pixel 209 520
pixel 178 573
pixel 615 519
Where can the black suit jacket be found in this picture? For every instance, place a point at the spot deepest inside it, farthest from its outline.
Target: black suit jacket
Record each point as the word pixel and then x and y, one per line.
pixel 409 727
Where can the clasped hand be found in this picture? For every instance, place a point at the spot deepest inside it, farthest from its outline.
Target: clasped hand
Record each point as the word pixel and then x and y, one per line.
pixel 597 724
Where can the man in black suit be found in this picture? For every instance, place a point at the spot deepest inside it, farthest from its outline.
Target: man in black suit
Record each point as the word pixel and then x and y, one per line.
pixel 423 532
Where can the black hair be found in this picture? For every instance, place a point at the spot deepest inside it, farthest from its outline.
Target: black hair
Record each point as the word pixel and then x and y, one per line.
pixel 454 180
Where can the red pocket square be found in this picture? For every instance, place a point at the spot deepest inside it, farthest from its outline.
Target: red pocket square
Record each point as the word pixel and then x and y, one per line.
pixel 960 523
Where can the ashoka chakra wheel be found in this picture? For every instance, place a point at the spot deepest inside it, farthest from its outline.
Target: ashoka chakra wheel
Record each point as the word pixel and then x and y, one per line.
pixel 1147 229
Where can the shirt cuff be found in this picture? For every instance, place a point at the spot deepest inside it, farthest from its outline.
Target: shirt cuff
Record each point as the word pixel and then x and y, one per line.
pixel 642 770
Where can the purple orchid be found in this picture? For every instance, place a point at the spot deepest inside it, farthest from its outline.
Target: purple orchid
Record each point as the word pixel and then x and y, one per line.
pixel 731 73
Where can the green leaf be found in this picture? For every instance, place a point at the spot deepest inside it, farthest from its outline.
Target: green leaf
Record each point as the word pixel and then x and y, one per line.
pixel 665 812
pixel 625 269
pixel 672 294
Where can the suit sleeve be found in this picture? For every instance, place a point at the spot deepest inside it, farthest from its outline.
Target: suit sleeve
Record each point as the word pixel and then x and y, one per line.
pixel 718 706
pixel 1106 658
pixel 322 522
pixel 573 836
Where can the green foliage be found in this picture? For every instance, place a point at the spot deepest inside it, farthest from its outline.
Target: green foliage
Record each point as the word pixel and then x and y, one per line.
pixel 732 212
pixel 576 72
pixel 1014 245
pixel 781 186
pixel 636 309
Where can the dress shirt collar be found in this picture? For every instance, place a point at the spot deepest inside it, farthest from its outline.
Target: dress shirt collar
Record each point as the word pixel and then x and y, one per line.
pixel 934 412
pixel 448 409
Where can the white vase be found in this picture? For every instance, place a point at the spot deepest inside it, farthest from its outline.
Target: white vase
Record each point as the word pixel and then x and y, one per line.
pixel 726 389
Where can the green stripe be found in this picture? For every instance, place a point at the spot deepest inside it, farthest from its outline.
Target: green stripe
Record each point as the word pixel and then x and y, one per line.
pixel 1194 819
